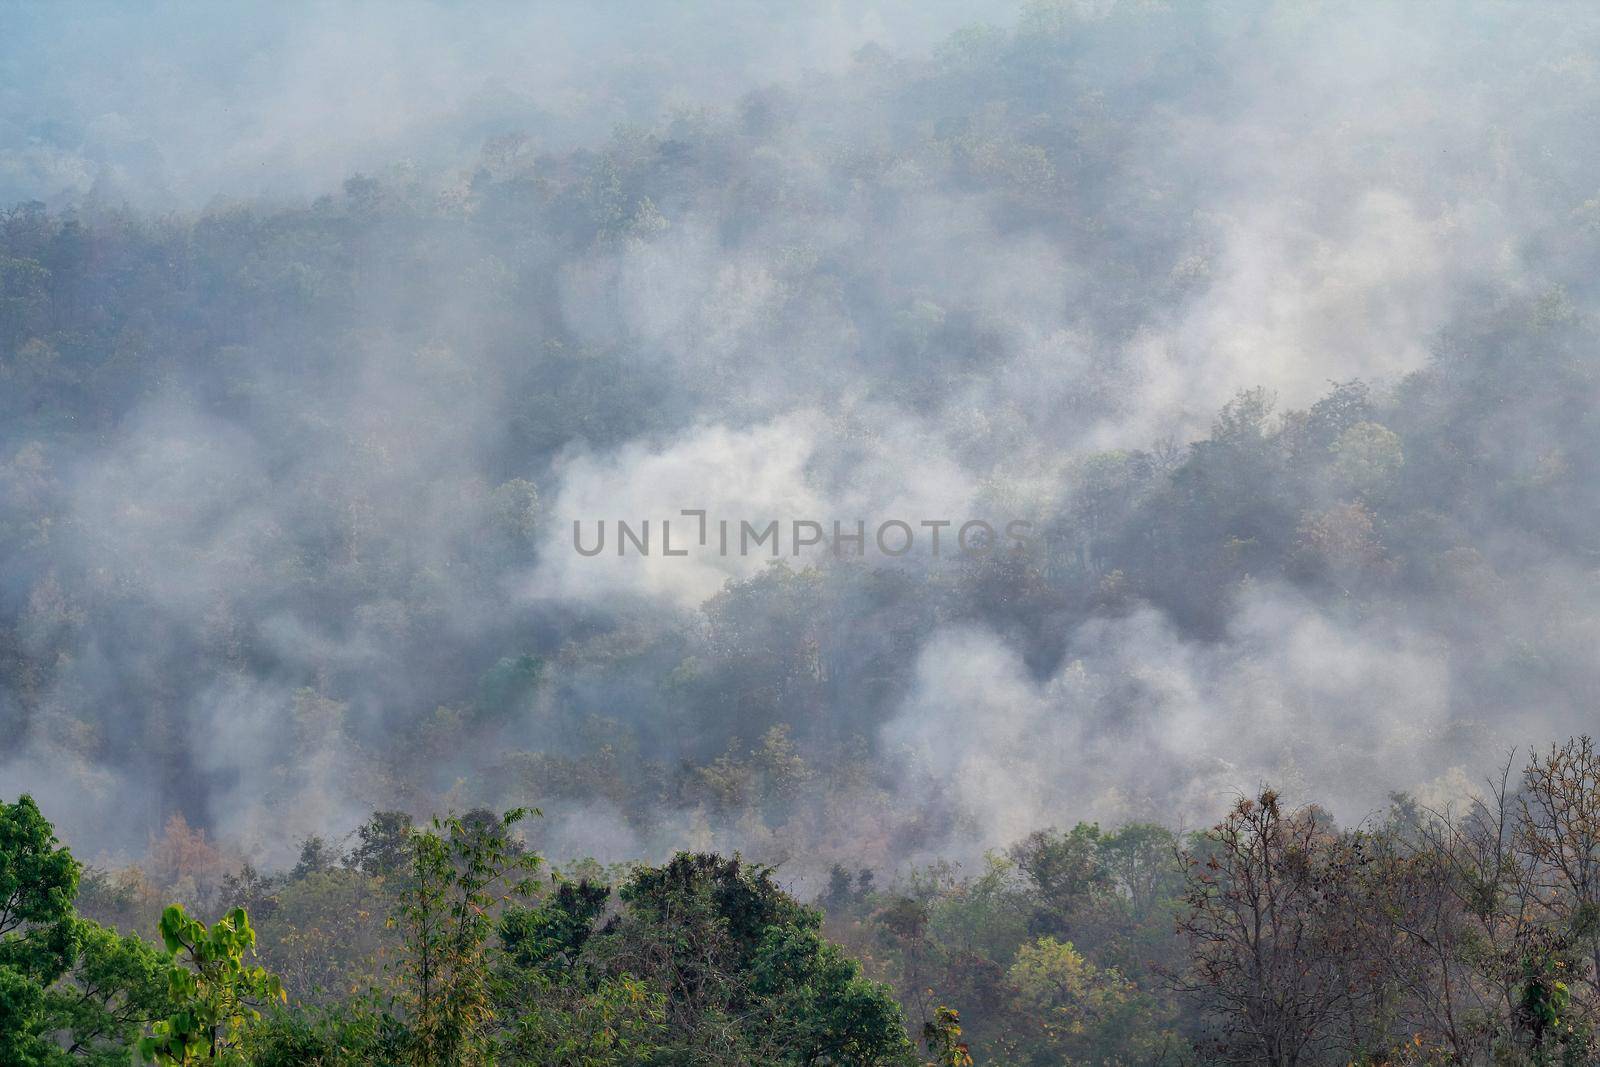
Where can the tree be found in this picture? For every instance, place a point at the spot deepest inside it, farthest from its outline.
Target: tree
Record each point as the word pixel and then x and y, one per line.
pixel 38 938
pixel 745 971
pixel 616 1022
pixel 1256 923
pixel 319 934
pixel 70 989
pixel 117 986
pixel 551 1003
pixel 217 993
pixel 1366 458
pixel 1558 836
pixel 550 938
pixel 816 1006
pixel 1140 864
pixel 1066 873
pixel 382 844
pixel 1559 832
pixel 942 1036
pixel 38 878
pixel 1081 1013
pixel 459 873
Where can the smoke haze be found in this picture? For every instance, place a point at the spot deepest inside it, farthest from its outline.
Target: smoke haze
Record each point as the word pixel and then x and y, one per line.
pixel 329 321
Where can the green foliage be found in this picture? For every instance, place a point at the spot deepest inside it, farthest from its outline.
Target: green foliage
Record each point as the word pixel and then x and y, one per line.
pixel 382 844
pixel 38 935
pixel 71 990
pixel 550 938
pixel 305 915
pixel 1065 870
pixel 215 990
pixel 708 961
pixel 461 870
pixel 1368 457
pixel 817 1007
pixel 351 1035
pixel 555 1007
pixel 24 1025
pixel 616 1022
pixel 1080 1013
pixel 742 970
pixel 38 879
pixel 942 1035
pixel 1300 943
pixel 118 984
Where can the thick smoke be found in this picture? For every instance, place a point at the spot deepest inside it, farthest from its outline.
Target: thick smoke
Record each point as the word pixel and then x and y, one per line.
pixel 855 300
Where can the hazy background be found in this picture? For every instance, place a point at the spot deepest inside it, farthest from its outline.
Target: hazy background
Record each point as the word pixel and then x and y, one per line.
pixel 182 103
pixel 331 318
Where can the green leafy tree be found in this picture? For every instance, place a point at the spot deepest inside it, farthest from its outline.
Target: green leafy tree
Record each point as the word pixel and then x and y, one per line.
pixel 461 870
pixel 942 1035
pixel 615 1022
pixel 38 937
pixel 553 1007
pixel 818 1007
pixel 38 878
pixel 71 990
pixel 746 973
pixel 1066 873
pixel 382 844
pixel 550 938
pixel 216 991
pixel 1081 1013
pixel 117 985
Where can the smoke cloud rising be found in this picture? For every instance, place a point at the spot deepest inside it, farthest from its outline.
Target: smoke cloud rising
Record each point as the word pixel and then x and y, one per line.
pixel 348 313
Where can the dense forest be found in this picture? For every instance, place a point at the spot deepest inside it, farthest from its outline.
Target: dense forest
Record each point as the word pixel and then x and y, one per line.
pixel 1273 937
pixel 1276 323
